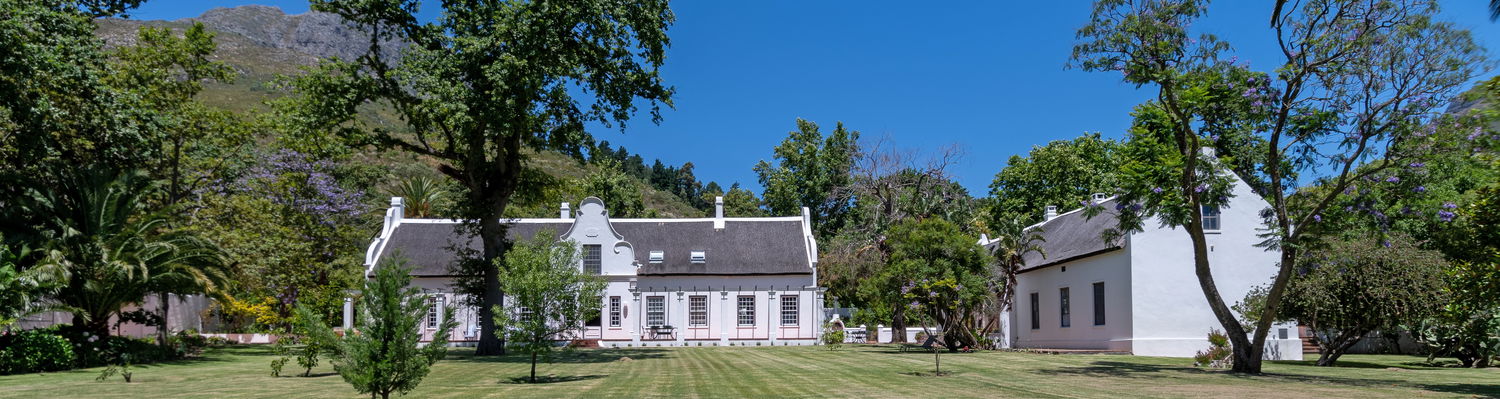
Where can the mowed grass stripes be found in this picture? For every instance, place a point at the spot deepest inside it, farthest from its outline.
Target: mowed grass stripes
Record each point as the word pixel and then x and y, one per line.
pixel 755 372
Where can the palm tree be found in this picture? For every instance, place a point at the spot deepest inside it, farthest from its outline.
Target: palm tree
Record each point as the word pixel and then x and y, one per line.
pixel 182 264
pixel 95 226
pixel 25 291
pixel 1010 245
pixel 421 194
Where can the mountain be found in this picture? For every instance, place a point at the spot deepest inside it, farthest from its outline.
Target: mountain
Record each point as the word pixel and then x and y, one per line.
pixel 263 42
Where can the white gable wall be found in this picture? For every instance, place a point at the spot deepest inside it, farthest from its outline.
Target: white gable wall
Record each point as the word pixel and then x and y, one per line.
pixel 1111 268
pixel 1172 316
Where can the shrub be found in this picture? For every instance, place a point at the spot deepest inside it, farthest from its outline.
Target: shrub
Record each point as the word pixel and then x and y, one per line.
pixel 35 351
pixel 1218 355
pixel 832 337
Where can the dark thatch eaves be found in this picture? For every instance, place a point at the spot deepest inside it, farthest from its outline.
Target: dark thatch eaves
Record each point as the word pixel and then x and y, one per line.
pixel 743 247
pixel 1073 235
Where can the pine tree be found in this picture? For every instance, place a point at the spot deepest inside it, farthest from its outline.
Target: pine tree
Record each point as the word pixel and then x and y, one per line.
pixel 382 354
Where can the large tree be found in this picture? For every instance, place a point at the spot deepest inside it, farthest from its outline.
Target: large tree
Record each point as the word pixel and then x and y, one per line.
pixel 482 85
pixel 811 170
pixel 1360 284
pixel 1061 173
pixel 98 229
pixel 1356 82
pixel 936 269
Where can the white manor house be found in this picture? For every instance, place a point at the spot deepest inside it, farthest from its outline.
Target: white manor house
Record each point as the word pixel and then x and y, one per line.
pixel 721 281
pixel 671 282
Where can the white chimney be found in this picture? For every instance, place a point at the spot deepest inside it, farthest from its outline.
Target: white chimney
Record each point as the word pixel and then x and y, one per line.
pixel 718 213
pixel 399 204
pixel 1051 212
pixel 567 213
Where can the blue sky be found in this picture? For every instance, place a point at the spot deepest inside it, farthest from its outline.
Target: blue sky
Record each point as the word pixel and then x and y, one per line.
pixel 988 77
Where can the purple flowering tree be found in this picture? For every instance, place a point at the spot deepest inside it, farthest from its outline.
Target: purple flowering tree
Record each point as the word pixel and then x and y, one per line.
pixel 1348 100
pixel 295 226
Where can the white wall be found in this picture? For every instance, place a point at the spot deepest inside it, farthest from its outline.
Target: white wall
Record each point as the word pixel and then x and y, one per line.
pixel 1172 316
pixel 1112 268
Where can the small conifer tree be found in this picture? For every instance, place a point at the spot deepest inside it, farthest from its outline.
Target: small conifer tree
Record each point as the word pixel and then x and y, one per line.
pixel 382 355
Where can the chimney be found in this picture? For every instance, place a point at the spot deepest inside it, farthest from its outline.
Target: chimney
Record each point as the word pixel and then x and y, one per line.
pixel 1051 212
pixel 393 216
pixel 399 204
pixel 567 213
pixel 718 213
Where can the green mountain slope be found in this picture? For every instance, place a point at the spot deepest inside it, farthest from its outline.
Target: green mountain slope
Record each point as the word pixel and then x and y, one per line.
pixel 262 43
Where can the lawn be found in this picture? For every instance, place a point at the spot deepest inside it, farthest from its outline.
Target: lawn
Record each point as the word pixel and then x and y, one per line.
pixel 854 371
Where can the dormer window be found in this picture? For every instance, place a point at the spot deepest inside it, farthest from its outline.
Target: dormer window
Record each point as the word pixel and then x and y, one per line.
pixel 656 257
pixel 698 256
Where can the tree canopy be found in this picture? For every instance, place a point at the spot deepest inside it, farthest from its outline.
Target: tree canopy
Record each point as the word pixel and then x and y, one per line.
pixel 480 86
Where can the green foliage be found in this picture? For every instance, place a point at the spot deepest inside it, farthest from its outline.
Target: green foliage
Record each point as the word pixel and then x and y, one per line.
pixel 740 202
pixel 810 170
pixel 54 104
pixel 95 225
pixel 1359 285
pixel 382 355
pixel 1011 242
pixel 479 88
pixel 422 195
pixel 620 192
pixel 122 368
pixel 1218 355
pixel 938 273
pixel 1358 81
pixel 23 292
pixel 295 226
pixel 832 338
pixel 34 351
pixel 551 296
pixel 1060 173
pixel 310 339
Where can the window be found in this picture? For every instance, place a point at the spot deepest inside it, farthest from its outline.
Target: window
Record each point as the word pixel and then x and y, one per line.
pixel 614 311
pixel 698 256
pixel 1099 304
pixel 1066 313
pixel 434 306
pixel 788 310
pixel 656 310
pixel 1210 218
pixel 592 260
pixel 1036 312
pixel 747 310
pixel 697 310
pixel 657 256
pixel 524 313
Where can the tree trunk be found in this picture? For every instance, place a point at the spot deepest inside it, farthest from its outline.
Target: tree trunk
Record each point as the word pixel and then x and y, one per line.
pixel 533 367
pixel 1329 352
pixel 161 330
pixel 1246 354
pixel 937 362
pixel 898 324
pixel 492 233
